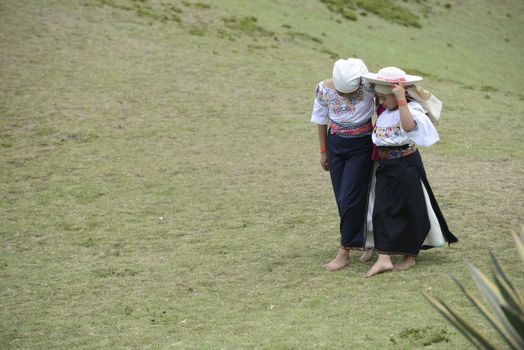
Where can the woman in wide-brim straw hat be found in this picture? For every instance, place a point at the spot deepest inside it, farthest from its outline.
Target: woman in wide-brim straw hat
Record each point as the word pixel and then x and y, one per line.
pixel 342 110
pixel 406 215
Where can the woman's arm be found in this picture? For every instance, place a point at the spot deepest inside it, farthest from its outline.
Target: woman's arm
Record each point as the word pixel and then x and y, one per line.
pixel 406 119
pixel 322 132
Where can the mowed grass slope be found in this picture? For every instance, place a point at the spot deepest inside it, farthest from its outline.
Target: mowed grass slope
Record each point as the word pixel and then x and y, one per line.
pixel 160 185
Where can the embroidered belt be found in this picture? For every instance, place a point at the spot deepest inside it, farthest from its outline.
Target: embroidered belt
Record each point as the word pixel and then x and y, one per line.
pixel 393 152
pixel 351 130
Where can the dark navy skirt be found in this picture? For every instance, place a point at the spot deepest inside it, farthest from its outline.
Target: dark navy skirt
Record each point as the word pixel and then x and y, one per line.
pixel 400 214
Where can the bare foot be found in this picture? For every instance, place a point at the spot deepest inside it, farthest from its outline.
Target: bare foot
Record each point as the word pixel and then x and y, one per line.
pixel 366 255
pixel 405 263
pixel 341 260
pixel 383 264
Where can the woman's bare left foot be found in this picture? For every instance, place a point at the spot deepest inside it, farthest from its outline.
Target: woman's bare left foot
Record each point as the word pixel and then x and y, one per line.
pixel 341 260
pixel 405 263
pixel 383 264
pixel 366 255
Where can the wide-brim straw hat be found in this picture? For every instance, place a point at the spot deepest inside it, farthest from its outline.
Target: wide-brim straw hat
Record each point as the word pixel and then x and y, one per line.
pixel 347 74
pixel 388 76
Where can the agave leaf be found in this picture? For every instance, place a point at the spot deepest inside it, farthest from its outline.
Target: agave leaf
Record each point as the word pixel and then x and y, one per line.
pixel 519 242
pixel 510 294
pixel 472 334
pixel 492 318
pixel 512 299
pixel 444 311
pixel 516 320
pixel 495 299
pixel 487 287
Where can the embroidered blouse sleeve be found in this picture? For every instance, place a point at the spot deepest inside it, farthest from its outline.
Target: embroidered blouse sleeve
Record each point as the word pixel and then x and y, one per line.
pixel 320 113
pixel 424 134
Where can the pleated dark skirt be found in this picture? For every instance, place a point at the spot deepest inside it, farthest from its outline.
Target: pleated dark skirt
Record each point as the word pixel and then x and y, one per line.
pixel 400 215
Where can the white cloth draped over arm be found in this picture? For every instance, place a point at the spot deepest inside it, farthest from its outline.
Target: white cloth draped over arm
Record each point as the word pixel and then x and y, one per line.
pixel 320 113
pixel 424 134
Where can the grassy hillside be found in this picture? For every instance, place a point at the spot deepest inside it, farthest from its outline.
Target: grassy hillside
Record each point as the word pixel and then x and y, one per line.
pixel 160 185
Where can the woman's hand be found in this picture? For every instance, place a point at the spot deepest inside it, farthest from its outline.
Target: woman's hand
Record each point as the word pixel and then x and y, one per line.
pixel 324 161
pixel 399 91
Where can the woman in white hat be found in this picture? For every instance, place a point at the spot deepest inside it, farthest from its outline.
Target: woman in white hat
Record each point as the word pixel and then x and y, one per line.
pixel 342 110
pixel 406 215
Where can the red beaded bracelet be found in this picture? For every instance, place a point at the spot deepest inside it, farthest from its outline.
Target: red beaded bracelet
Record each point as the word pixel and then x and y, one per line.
pixel 402 102
pixel 323 149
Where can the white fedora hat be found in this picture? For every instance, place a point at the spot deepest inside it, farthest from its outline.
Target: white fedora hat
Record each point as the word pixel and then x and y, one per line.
pixel 388 76
pixel 348 73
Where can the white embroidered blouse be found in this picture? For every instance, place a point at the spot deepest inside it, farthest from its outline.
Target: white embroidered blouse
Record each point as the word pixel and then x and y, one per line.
pixel 329 104
pixel 388 130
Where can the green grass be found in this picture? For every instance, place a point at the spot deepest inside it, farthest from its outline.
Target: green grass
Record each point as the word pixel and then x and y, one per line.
pixel 391 11
pixel 162 190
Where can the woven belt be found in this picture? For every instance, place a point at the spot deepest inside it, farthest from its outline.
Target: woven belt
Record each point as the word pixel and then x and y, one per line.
pixel 351 130
pixel 394 152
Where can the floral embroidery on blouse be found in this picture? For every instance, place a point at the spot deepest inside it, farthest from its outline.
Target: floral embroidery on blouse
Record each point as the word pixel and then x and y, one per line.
pixel 389 132
pixel 339 104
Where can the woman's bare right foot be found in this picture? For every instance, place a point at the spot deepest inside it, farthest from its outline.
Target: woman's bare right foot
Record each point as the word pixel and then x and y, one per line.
pixel 405 263
pixel 341 260
pixel 383 264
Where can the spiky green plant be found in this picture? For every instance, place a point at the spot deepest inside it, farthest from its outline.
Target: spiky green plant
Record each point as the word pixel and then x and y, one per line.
pixel 505 309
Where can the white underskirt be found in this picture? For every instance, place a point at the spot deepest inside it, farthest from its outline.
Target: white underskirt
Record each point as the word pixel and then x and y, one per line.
pixel 370 242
